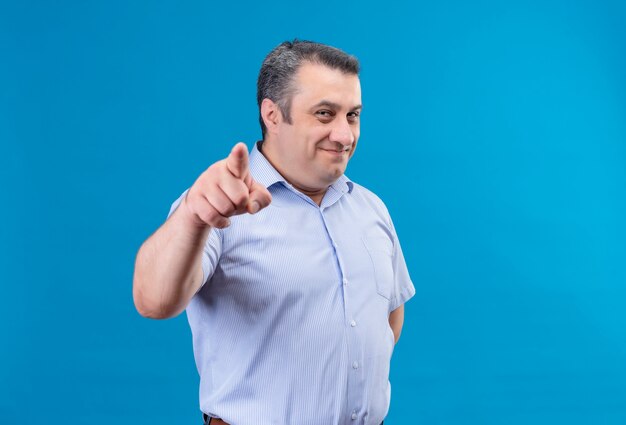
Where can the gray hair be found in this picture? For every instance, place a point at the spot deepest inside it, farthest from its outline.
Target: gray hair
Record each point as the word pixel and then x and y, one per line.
pixel 277 74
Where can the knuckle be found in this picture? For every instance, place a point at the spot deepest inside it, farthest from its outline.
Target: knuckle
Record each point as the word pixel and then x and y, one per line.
pixel 240 199
pixel 221 204
pixel 192 203
pixel 266 199
pixel 207 216
pixel 221 223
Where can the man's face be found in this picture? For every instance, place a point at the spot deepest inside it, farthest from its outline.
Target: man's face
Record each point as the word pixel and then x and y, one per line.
pixel 313 151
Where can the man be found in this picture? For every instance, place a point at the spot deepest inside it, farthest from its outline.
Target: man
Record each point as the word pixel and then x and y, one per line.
pixel 292 275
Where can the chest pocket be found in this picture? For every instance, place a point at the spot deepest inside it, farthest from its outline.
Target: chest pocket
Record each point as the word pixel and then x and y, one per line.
pixel 380 250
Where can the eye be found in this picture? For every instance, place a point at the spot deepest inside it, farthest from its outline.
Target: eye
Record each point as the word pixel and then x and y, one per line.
pixel 354 116
pixel 324 115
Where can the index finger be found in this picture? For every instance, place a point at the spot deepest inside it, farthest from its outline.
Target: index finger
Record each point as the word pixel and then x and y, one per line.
pixel 237 161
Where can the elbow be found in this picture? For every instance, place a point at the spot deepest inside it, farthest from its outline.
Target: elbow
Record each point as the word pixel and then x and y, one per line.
pixel 151 310
pixel 146 300
pixel 145 308
pixel 149 306
pixel 149 295
pixel 148 312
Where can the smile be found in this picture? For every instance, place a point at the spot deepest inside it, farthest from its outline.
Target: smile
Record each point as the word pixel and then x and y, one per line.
pixel 336 152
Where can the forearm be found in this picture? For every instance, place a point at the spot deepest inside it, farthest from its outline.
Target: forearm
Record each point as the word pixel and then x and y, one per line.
pixel 168 267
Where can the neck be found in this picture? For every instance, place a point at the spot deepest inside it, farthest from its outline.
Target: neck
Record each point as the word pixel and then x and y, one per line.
pixel 316 195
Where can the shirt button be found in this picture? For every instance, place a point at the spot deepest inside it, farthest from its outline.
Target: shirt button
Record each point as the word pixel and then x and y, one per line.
pixel 353 415
pixel 353 323
pixel 345 281
pixel 355 365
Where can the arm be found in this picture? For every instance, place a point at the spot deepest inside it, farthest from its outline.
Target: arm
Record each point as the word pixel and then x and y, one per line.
pixel 396 320
pixel 168 268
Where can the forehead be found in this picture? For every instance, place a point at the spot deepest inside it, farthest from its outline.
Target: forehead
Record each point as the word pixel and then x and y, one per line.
pixel 315 82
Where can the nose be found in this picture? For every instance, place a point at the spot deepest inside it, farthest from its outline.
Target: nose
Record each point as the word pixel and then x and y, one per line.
pixel 341 133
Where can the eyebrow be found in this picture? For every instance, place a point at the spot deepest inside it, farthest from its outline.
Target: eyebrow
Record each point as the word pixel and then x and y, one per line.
pixel 333 105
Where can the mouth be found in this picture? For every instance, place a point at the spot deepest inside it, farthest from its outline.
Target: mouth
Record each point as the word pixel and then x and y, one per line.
pixel 337 152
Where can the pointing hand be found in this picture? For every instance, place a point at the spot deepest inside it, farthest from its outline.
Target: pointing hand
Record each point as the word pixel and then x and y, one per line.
pixel 226 189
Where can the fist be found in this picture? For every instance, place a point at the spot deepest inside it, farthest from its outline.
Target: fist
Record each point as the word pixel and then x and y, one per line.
pixel 226 189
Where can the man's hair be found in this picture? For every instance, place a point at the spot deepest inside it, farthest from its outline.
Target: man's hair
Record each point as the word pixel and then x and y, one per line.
pixel 277 74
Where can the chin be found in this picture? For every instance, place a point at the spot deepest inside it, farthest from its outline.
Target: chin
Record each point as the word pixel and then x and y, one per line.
pixel 329 175
pixel 335 175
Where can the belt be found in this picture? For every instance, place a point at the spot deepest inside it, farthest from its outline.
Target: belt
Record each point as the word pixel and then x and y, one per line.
pixel 214 421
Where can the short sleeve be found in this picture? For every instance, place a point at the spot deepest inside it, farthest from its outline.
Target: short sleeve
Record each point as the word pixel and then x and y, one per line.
pixel 212 248
pixel 403 286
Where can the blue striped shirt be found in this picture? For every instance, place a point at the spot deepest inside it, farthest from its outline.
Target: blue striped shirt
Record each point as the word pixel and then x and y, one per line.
pixel 291 325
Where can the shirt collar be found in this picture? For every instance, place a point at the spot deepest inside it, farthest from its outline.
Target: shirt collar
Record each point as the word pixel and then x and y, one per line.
pixel 262 170
pixel 264 173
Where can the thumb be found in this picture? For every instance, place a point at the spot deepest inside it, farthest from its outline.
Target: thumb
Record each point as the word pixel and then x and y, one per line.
pixel 260 197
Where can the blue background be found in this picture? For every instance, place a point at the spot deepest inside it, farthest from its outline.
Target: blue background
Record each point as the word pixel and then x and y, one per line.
pixel 494 131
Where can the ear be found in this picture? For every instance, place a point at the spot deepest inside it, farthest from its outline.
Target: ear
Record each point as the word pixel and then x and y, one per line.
pixel 270 112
